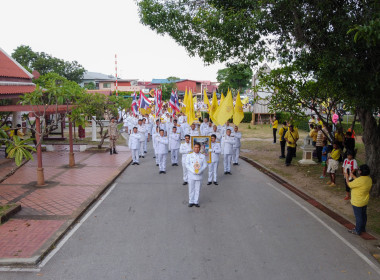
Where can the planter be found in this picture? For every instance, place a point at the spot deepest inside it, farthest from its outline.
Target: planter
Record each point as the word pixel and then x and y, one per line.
pixel 96 150
pixel 7 214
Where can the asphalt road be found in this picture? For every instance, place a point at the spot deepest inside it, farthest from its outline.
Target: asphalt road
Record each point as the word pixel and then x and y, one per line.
pixel 248 227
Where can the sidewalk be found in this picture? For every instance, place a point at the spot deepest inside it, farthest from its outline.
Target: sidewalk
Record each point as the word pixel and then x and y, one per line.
pixel 48 212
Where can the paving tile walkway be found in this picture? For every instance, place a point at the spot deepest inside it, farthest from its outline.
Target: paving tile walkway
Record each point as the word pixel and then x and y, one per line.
pixel 47 212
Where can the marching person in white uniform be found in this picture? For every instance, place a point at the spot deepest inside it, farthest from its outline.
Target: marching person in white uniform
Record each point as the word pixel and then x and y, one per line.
pixel 175 141
pixel 146 126
pixel 228 151
pixel 185 149
pixel 204 127
pixel 162 151
pixel 154 140
pixel 134 145
pixel 141 130
pixel 184 129
pixel 213 166
pixel 193 131
pixel 195 164
pixel 217 134
pixel 236 146
pixel 225 127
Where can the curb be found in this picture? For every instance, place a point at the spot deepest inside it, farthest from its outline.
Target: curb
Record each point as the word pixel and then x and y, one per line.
pixel 338 218
pixel 51 243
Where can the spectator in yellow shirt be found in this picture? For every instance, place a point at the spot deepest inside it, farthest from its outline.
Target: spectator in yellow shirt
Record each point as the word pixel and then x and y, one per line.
pixel 333 164
pixel 291 137
pixel 274 125
pixel 360 188
pixel 314 134
pixel 282 133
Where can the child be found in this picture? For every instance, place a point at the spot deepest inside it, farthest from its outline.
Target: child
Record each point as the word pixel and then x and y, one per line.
pixel 332 166
pixel 325 149
pixel 349 168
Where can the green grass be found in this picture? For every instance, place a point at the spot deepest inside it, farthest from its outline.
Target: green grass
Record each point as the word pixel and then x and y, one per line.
pixel 3 208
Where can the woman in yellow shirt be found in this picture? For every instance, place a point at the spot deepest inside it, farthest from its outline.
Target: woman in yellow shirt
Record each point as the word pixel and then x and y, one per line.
pixel 274 125
pixel 360 188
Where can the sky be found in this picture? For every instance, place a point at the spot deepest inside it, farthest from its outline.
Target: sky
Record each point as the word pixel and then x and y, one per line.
pixel 92 32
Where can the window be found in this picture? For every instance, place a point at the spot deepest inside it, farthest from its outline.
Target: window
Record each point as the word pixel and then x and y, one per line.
pixel 107 85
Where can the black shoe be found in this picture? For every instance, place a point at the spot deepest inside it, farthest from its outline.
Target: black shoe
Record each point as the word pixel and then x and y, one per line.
pixel 175 164
pixel 139 156
pixel 133 163
pixel 145 152
pixel 216 183
pixel 209 183
pixel 114 151
pixel 154 157
pixel 184 183
pixel 160 172
pixel 226 172
pixel 142 156
pixel 137 163
pixel 287 164
pixel 281 157
pixel 172 164
pixel 190 205
pixel 229 173
pixel 235 163
pixel 157 164
pixel 164 172
pixel 196 205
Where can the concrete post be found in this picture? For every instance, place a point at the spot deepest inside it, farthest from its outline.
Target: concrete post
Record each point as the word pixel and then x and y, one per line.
pixel 93 128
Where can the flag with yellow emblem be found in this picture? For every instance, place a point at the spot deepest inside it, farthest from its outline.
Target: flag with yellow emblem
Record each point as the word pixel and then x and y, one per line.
pixel 225 110
pixel 238 111
pixel 206 101
pixel 213 107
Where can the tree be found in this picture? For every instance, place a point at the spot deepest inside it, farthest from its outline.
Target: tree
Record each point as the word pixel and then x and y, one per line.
pixel 168 87
pixel 332 43
pixel 96 106
pixel 90 85
pixel 45 63
pixel 236 76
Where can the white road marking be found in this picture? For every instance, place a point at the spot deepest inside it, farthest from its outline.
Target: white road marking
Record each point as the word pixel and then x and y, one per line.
pixel 353 248
pixel 64 240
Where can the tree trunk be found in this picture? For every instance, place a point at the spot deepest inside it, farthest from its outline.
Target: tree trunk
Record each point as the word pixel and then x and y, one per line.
pixel 371 140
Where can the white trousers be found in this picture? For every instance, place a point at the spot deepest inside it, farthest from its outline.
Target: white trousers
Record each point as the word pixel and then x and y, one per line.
pixel 194 189
pixel 141 148
pixel 213 171
pixel 235 156
pixel 157 159
pixel 184 169
pixel 135 155
pixel 162 161
pixel 145 141
pixel 174 156
pixel 227 163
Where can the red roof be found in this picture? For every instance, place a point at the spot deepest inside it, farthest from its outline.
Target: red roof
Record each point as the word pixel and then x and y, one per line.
pixel 11 89
pixel 10 68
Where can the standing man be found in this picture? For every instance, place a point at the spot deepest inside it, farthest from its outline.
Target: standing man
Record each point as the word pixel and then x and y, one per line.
pixel 185 149
pixel 134 145
pixel 112 130
pixel 146 136
pixel 193 131
pixel 236 146
pixel 141 130
pixel 228 151
pixel 162 151
pixel 195 164
pixel 282 133
pixel 174 142
pixel 291 137
pixel 213 166
pixel 274 125
pixel 204 127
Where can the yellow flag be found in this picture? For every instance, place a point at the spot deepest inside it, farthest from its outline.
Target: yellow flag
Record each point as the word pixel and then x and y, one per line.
pixel 206 101
pixel 185 102
pixel 213 108
pixel 225 110
pixel 238 111
pixel 221 98
pixel 245 100
pixel 191 113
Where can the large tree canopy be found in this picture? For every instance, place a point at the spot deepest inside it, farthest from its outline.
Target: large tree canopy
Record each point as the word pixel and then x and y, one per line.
pixel 323 47
pixel 45 63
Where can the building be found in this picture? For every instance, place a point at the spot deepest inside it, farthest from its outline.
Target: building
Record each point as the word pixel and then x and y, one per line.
pixel 260 112
pixel 15 81
pixel 197 87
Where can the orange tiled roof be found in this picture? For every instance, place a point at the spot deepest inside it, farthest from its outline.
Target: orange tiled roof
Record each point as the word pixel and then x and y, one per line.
pixel 10 68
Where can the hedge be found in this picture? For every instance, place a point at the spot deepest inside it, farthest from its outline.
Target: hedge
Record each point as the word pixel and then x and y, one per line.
pixel 247 117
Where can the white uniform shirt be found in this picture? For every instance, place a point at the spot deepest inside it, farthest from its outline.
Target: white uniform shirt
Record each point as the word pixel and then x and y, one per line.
pixel 216 150
pixel 217 134
pixel 193 132
pixel 204 128
pixel 175 140
pixel 228 145
pixel 162 145
pixel 141 130
pixel 185 149
pixel 134 141
pixel 237 136
pixel 193 159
